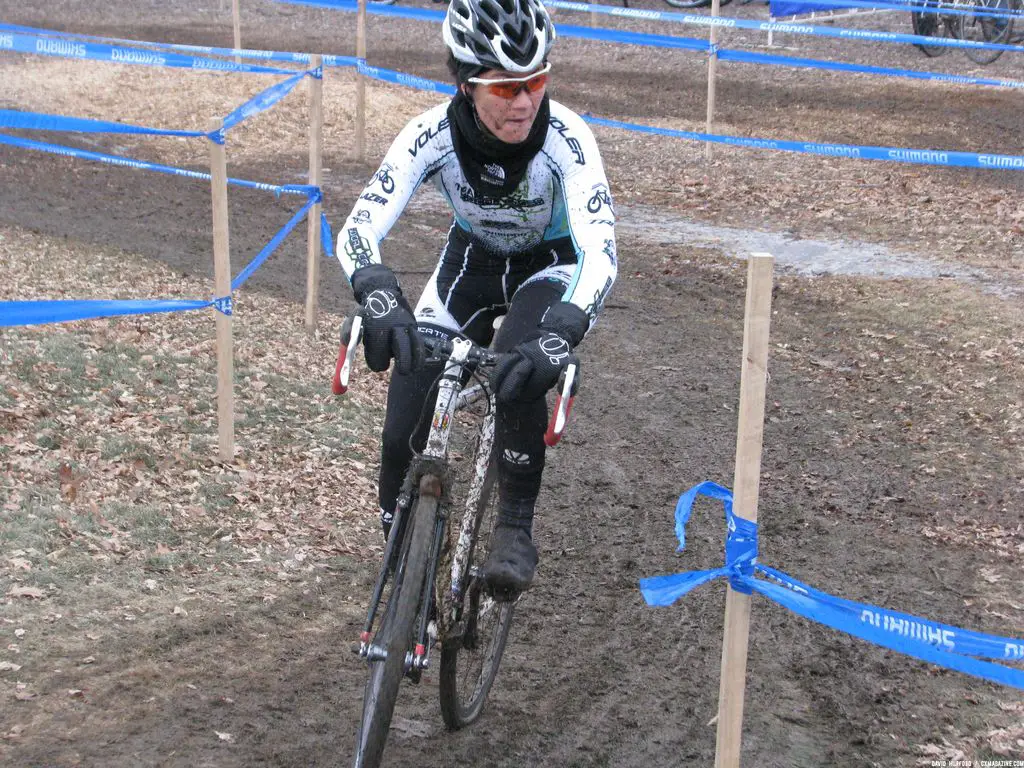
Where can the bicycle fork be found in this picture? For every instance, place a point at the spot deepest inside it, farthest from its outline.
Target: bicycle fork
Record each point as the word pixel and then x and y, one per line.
pixel 430 485
pixel 418 658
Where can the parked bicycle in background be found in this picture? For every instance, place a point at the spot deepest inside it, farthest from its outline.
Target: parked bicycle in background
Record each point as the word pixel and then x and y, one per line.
pixel 986 21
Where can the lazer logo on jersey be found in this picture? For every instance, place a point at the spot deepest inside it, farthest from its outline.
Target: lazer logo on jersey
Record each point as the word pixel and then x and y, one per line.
pixel 600 199
pixel 358 249
pixel 574 146
pixel 426 136
pixel 599 222
pixel 515 457
pixel 371 197
pixel 384 177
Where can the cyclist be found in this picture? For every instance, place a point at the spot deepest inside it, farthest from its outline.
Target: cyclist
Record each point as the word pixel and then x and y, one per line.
pixel 533 238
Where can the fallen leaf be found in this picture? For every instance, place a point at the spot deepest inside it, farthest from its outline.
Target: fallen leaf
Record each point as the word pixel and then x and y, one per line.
pixel 34 592
pixel 9 666
pixel 410 728
pixel 224 736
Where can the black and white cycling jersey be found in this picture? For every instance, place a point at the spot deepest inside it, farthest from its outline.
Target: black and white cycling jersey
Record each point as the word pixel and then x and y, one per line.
pixel 564 197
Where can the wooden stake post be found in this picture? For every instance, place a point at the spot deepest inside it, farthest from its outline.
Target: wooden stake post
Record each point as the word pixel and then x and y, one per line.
pixel 236 18
pixel 222 288
pixel 712 68
pixel 749 438
pixel 316 121
pixel 361 83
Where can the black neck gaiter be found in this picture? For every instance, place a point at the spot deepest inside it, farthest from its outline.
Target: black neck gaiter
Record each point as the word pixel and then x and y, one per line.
pixel 493 167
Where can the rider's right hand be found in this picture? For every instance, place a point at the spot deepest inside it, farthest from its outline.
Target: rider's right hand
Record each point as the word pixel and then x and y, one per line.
pixel 389 326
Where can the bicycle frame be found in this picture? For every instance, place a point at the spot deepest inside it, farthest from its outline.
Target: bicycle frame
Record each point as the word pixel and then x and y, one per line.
pixel 429 472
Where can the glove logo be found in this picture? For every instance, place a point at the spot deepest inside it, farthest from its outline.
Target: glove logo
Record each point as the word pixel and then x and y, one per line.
pixel 556 348
pixel 380 303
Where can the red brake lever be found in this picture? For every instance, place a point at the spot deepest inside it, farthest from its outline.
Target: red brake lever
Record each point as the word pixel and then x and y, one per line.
pixel 354 328
pixel 563 405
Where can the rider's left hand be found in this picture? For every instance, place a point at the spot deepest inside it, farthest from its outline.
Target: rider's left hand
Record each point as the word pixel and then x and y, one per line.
pixel 533 367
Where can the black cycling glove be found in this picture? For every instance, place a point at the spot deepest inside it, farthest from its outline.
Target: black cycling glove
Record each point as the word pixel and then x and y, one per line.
pixel 389 326
pixel 534 366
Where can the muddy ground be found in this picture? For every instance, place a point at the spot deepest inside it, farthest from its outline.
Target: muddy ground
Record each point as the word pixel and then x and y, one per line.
pixel 892 469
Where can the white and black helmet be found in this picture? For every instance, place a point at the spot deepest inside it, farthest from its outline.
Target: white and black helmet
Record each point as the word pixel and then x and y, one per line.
pixel 512 35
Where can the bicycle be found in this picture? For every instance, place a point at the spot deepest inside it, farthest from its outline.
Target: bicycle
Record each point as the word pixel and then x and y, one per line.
pixel 437 591
pixel 992 22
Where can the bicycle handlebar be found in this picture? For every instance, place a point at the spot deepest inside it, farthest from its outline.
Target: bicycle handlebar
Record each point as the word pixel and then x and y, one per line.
pixel 441 350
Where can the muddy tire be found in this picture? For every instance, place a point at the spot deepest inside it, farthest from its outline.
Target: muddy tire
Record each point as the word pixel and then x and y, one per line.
pixel 470 659
pixel 395 635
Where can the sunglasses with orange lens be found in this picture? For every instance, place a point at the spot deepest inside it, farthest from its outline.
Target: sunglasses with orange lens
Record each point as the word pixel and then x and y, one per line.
pixel 510 87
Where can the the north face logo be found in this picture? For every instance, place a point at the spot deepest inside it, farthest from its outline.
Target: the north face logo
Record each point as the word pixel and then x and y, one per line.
pixel 495 171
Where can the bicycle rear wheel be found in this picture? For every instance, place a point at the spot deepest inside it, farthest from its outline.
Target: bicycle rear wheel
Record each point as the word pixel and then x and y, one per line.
pixel 395 634
pixel 928 24
pixel 471 656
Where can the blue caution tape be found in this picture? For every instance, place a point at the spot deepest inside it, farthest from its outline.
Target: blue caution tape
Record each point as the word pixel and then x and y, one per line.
pixel 270 247
pixel 13 313
pixel 83 154
pixel 893 154
pixel 262 101
pixel 927 7
pixel 224 305
pixel 765 26
pixel 747 57
pixel 283 56
pixel 326 237
pixel 666 41
pixel 391 76
pixel 76 49
pixel 940 644
pixel 38 121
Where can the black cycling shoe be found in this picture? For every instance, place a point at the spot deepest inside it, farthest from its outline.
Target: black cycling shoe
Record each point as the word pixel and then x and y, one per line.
pixel 512 561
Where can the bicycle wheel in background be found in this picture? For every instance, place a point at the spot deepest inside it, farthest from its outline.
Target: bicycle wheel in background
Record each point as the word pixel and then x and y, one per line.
pixel 470 658
pixel 395 634
pixel 928 24
pixel 989 29
pixel 689 3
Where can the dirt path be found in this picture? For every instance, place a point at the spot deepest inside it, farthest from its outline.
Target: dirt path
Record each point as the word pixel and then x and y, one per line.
pixel 893 470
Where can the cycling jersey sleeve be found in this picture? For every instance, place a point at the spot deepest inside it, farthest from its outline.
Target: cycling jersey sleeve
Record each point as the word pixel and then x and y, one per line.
pixel 588 208
pixel 416 151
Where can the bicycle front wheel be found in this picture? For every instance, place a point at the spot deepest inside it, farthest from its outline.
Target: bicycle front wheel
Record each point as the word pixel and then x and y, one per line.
pixel 395 634
pixel 989 29
pixel 471 656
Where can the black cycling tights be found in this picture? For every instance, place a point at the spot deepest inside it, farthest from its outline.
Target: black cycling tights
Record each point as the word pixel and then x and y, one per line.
pixel 519 427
